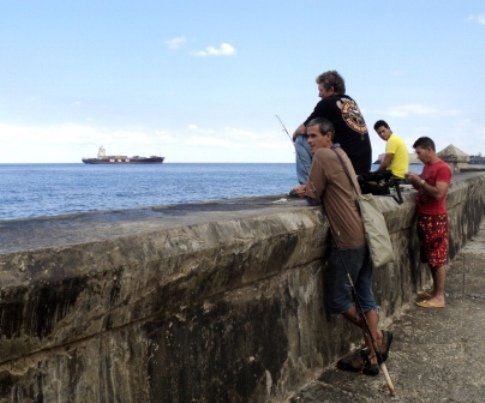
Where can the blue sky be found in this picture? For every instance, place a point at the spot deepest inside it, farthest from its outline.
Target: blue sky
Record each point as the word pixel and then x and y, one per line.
pixel 201 81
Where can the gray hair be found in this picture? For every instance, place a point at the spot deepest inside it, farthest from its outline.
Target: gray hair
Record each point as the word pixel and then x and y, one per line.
pixel 324 126
pixel 332 79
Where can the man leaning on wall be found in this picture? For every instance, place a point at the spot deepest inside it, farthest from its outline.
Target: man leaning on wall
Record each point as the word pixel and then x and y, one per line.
pixel 349 254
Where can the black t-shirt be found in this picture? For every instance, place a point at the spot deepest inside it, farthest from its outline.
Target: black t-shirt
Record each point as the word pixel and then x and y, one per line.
pixel 350 129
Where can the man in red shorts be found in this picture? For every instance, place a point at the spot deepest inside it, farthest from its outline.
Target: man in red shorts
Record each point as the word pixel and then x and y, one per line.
pixel 432 186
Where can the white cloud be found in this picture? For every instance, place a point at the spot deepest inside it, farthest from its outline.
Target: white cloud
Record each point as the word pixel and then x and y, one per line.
pixel 452 112
pixel 210 141
pixel 194 128
pixel 404 111
pixel 245 135
pixel 224 138
pixel 410 109
pixel 176 43
pixel 232 138
pixel 225 49
pixel 479 19
pixel 466 134
pixel 165 138
pixel 69 142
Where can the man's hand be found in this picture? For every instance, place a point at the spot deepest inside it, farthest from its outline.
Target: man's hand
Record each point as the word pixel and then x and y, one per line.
pixel 437 191
pixel 300 190
pixel 414 179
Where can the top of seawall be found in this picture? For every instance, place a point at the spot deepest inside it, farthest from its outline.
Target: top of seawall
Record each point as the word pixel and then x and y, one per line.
pixel 71 229
pixel 37 233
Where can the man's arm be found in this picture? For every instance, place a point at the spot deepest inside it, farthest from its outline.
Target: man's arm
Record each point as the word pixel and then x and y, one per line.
pixel 439 190
pixel 320 111
pixel 317 180
pixel 436 192
pixel 386 161
pixel 300 130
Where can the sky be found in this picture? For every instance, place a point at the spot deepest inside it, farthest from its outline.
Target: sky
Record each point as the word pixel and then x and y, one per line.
pixel 202 80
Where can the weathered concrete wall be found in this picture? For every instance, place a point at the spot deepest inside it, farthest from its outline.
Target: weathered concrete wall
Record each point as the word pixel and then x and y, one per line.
pixel 210 303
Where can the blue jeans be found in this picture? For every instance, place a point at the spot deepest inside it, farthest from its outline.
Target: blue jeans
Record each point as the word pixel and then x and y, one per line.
pixel 303 159
pixel 338 291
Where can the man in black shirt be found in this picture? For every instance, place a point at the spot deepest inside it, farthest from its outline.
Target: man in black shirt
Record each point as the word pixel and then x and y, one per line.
pixel 350 128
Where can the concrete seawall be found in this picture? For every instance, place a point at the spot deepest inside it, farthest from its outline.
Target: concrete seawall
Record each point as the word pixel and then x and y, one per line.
pixel 210 303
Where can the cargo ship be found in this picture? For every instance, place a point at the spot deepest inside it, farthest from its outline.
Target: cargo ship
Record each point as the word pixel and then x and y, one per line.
pixel 121 159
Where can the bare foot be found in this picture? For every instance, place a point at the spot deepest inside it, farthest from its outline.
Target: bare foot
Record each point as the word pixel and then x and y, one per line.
pixel 431 303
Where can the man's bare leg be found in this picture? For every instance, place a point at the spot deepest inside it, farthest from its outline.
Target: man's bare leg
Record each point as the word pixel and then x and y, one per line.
pixel 439 277
pixel 372 320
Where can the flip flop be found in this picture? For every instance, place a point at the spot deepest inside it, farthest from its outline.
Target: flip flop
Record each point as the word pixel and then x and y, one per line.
pixel 358 361
pixel 428 304
pixel 371 369
pixel 426 294
pixel 354 361
pixel 387 341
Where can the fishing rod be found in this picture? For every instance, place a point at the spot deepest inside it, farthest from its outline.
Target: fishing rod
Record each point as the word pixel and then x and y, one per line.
pixel 299 158
pixel 360 311
pixel 284 128
pixel 366 329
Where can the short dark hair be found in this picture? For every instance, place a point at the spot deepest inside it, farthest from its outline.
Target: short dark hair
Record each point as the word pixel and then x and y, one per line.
pixel 424 142
pixel 380 123
pixel 324 126
pixel 332 79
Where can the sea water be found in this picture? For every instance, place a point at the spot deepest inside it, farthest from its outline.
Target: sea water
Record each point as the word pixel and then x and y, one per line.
pixel 33 190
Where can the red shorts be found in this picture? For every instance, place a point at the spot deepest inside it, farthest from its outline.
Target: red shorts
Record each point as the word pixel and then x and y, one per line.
pixel 433 237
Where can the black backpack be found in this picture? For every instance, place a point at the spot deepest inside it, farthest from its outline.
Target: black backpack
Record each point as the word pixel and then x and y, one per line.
pixel 380 183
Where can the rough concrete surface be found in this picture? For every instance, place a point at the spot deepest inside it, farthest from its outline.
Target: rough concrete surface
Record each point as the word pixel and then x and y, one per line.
pixel 211 302
pixel 438 355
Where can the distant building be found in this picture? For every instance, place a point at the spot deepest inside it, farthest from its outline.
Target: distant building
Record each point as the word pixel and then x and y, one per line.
pixel 456 158
pixel 477 159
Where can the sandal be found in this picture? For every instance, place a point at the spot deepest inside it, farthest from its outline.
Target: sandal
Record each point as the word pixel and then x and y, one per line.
pixel 386 342
pixel 369 368
pixel 359 360
pixel 430 304
pixel 426 294
pixel 354 361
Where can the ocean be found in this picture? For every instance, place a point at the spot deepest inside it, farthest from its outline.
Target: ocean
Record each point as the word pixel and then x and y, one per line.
pixel 34 190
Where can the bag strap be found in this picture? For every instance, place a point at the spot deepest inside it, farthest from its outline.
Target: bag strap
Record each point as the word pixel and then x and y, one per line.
pixel 397 198
pixel 346 170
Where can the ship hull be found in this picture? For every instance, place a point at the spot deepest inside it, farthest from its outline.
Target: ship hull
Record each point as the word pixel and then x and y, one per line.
pixel 124 161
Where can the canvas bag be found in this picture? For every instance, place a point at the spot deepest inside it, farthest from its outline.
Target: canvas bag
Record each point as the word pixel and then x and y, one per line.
pixel 375 228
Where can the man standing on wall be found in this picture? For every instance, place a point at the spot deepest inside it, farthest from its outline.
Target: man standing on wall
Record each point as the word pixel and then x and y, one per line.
pixel 350 128
pixel 396 158
pixel 329 183
pixel 432 186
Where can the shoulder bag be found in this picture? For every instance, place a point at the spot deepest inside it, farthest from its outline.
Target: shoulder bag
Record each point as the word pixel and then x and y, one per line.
pixel 375 228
